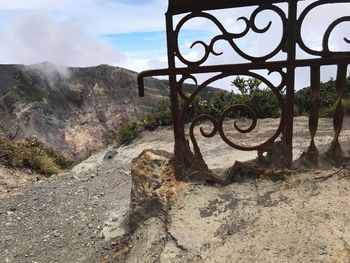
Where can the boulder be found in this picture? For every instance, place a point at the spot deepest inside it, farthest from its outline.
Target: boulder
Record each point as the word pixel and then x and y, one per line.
pixel 153 185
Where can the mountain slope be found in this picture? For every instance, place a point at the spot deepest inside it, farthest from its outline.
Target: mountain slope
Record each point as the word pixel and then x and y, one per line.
pixel 72 110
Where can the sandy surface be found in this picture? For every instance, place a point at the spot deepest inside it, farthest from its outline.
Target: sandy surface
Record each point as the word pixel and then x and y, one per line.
pixel 72 217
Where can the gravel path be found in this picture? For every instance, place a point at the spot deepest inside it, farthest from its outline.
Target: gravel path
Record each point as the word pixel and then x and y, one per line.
pixel 61 219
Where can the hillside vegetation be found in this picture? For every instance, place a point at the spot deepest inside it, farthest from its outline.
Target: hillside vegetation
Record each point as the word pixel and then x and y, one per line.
pixel 326 100
pixel 261 99
pixel 32 154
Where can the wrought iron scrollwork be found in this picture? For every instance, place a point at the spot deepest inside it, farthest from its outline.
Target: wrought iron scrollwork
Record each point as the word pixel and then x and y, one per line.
pixel 326 37
pixel 191 162
pixel 219 123
pixel 250 24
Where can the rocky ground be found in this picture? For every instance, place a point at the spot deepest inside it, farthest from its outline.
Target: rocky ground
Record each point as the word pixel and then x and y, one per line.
pixel 81 215
pixel 63 218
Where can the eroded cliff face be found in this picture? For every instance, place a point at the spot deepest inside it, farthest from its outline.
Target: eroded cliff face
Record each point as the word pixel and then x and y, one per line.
pixel 73 110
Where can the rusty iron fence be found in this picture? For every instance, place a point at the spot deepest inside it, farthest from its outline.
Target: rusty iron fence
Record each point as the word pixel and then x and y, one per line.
pixel 190 163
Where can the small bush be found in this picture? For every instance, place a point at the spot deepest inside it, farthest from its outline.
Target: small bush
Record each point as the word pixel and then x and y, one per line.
pixel 37 148
pixel 326 99
pixel 129 132
pixel 261 99
pixel 45 165
pixel 32 154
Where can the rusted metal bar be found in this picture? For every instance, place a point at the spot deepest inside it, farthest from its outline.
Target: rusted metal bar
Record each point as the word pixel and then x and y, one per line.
pixel 335 151
pixel 291 50
pixel 239 68
pixel 312 153
pixel 179 134
pixel 185 6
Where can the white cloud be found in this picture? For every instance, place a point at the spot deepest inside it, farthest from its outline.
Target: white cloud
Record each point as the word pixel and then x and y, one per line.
pixel 23 4
pixel 68 34
pixel 37 38
pixel 98 16
pixel 115 17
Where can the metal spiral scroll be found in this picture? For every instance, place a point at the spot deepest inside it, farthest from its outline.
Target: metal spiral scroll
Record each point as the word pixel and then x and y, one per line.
pixel 198 119
pixel 230 37
pixel 325 42
pixel 189 99
pixel 217 124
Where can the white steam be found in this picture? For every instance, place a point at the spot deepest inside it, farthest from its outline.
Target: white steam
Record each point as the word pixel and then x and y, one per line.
pixel 52 72
pixel 37 38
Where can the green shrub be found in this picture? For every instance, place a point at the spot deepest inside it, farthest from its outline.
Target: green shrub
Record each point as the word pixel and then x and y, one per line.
pixel 36 147
pixel 160 117
pixel 326 99
pixel 32 154
pixel 10 154
pixel 262 100
pixel 129 132
pixel 45 165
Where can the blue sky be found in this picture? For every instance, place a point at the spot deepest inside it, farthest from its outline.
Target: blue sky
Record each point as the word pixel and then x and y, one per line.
pixel 154 44
pixel 126 33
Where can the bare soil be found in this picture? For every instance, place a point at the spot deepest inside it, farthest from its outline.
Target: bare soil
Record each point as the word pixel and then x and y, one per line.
pixel 74 216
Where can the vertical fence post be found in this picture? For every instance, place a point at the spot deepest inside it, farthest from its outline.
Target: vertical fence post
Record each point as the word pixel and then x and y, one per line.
pixel 172 84
pixel 335 151
pixel 291 47
pixel 312 153
pixel 179 135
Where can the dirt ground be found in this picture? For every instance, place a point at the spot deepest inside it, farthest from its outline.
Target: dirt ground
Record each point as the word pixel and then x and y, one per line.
pixel 72 217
